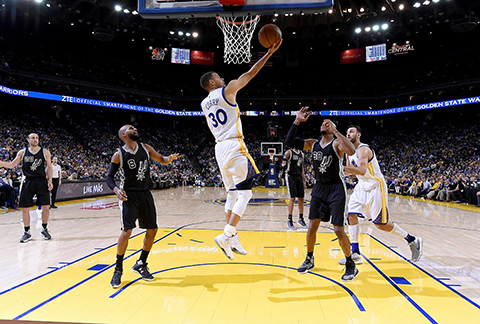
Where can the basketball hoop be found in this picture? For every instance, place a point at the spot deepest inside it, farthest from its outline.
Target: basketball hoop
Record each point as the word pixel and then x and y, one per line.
pixel 272 152
pixel 237 37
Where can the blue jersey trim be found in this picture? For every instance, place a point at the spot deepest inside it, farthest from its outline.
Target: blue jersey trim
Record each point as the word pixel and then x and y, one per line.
pixel 223 95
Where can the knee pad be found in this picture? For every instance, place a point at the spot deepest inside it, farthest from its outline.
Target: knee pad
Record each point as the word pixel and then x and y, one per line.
pixel 242 202
pixel 231 199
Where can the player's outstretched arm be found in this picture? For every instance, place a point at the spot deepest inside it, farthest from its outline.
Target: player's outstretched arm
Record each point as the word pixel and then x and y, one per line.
pixel 160 158
pixel 235 85
pixel 294 141
pixel 343 144
pixel 11 165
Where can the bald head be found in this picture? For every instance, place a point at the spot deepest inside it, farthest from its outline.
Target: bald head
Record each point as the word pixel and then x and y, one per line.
pixel 128 132
pixel 33 139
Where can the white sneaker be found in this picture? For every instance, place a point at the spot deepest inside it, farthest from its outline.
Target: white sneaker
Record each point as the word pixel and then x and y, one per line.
pixel 357 258
pixel 236 246
pixel 225 244
pixel 417 248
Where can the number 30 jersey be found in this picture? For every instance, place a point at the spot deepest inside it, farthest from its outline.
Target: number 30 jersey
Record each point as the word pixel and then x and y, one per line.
pixel 223 117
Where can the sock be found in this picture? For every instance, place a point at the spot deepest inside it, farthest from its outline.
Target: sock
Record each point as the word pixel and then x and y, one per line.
pixel 349 259
pixel 409 238
pixel 289 217
pixel 398 231
pixel 355 248
pixel 119 263
pixel 44 225
pixel 27 228
pixel 310 254
pixel 143 256
pixel 229 230
pixel 300 216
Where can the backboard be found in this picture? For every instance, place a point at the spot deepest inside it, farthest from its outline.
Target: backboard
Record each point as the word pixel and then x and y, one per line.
pixel 166 9
pixel 267 147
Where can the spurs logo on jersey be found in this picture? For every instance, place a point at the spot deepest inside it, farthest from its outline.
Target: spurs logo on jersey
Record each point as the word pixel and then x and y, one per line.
pixel 135 174
pixel 141 170
pixel 36 164
pixel 324 161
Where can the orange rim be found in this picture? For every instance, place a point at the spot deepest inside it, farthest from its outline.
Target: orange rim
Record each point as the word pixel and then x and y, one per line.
pixel 238 23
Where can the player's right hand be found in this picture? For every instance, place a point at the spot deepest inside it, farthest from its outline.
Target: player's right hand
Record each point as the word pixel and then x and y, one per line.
pixel 302 115
pixel 121 194
pixel 275 47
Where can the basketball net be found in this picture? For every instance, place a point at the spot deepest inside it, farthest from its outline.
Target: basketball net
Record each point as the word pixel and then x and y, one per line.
pixel 237 36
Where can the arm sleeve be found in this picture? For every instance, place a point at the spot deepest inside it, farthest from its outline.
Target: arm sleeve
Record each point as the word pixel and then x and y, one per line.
pixel 293 141
pixel 111 173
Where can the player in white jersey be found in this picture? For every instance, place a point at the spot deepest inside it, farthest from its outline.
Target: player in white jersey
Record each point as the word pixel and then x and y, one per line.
pixel 371 195
pixel 236 165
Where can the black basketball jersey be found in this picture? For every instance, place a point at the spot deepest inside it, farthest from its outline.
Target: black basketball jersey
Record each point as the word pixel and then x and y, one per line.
pixel 295 163
pixel 327 164
pixel 135 169
pixel 34 165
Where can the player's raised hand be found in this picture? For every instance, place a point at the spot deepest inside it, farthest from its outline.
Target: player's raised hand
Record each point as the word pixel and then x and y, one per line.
pixel 302 115
pixel 275 47
pixel 172 157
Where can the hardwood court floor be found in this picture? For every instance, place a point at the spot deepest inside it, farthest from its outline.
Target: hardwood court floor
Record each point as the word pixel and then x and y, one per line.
pixel 67 279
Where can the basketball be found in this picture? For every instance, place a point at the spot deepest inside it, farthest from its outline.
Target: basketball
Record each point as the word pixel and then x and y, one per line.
pixel 269 34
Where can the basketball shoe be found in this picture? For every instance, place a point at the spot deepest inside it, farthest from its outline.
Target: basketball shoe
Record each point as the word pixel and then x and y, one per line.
pixel 225 244
pixel 142 270
pixel 26 237
pixel 417 248
pixel 290 225
pixel 302 223
pixel 307 265
pixel 236 246
pixel 117 278
pixel 351 272
pixel 46 234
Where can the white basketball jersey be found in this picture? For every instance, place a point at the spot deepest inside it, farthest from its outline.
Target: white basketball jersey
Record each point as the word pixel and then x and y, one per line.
pixel 223 118
pixel 373 177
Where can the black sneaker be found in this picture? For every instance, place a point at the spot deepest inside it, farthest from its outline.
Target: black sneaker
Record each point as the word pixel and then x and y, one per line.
pixel 306 266
pixel 117 278
pixel 142 270
pixel 26 237
pixel 290 225
pixel 302 223
pixel 351 271
pixel 46 235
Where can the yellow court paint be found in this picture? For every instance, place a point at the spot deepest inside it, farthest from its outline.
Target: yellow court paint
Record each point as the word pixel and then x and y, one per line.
pixel 195 283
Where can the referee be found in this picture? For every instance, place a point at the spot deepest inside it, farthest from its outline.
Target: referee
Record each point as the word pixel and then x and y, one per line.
pixel 295 178
pixel 56 180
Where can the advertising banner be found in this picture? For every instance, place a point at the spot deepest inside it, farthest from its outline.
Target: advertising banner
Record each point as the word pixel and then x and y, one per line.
pixel 352 56
pixel 202 58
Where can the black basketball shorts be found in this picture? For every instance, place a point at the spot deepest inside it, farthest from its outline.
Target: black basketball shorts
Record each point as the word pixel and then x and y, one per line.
pixel 328 200
pixel 139 205
pixel 31 187
pixel 295 186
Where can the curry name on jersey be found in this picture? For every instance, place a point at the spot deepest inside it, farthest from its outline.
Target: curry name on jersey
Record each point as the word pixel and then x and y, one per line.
pixel 223 117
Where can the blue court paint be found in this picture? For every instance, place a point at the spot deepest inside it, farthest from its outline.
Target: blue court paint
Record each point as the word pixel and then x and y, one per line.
pixel 52 268
pixel 400 281
pixel 63 262
pixel 351 293
pixel 98 267
pixel 335 239
pixel 420 309
pixel 196 241
pixel 454 285
pixel 427 273
pixel 178 234
pixel 443 278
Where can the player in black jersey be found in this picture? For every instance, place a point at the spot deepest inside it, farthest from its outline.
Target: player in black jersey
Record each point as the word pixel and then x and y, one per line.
pixel 329 195
pixel 35 160
pixel 132 161
pixel 295 178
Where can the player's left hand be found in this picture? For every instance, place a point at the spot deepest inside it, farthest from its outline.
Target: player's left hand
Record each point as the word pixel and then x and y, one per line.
pixel 330 126
pixel 172 157
pixel 50 185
